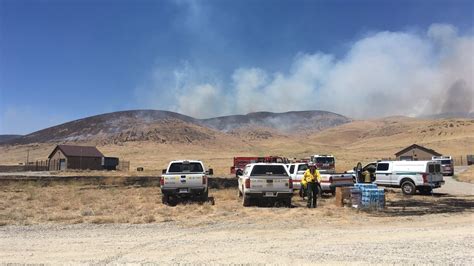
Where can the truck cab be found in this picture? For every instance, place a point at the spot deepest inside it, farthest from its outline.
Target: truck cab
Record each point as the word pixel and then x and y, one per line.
pixel 296 171
pixel 325 163
pixel 184 179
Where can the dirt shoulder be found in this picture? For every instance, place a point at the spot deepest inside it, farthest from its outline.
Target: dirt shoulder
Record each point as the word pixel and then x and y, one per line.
pixel 467 175
pixel 431 239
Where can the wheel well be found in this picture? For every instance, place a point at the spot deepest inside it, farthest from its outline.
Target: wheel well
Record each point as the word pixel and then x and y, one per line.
pixel 406 179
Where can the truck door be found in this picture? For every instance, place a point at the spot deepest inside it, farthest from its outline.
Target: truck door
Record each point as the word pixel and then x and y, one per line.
pixel 383 174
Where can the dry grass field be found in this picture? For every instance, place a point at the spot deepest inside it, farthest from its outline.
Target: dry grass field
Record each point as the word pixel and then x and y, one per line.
pixel 72 204
pixel 467 176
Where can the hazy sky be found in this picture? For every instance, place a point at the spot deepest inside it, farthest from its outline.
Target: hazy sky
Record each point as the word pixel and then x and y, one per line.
pixel 64 60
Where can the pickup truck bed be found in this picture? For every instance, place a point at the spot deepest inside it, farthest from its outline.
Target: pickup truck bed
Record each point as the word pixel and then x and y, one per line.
pixel 329 182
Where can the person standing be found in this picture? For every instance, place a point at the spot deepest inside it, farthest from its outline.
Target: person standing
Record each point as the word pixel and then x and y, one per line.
pixel 311 178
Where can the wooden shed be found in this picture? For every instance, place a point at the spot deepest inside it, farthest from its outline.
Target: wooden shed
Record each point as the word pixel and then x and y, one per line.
pixel 66 157
pixel 416 153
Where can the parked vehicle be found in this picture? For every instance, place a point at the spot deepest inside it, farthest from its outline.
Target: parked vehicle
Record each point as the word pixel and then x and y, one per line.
pixel 184 179
pixel 265 181
pixel 241 162
pixel 447 165
pixel 410 176
pixel 329 182
pixel 325 163
pixel 296 171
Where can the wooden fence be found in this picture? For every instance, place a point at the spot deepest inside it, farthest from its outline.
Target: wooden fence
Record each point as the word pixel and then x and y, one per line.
pixel 50 165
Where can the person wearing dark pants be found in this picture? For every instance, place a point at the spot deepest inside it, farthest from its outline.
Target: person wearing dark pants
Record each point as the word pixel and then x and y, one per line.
pixel 312 192
pixel 312 178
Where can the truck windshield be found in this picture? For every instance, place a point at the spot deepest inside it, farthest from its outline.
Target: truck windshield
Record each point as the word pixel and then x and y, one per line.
pixel 185 167
pixel 302 167
pixel 268 170
pixel 328 160
pixel 446 162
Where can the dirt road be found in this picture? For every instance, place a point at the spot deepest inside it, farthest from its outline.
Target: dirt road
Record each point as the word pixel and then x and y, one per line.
pixel 454 187
pixel 439 239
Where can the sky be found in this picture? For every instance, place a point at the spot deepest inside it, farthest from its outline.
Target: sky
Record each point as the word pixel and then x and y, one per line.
pixel 69 59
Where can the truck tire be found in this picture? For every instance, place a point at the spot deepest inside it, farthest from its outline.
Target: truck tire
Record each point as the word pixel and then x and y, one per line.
pixel 204 197
pixel 426 190
pixel 245 200
pixel 288 202
pixel 165 199
pixel 408 188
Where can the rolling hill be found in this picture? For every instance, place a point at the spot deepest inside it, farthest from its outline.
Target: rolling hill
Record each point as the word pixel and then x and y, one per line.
pixel 169 127
pixel 151 138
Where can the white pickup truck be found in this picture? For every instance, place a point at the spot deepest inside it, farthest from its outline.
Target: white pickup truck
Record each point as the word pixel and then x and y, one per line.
pixel 329 182
pixel 268 181
pixel 410 176
pixel 184 179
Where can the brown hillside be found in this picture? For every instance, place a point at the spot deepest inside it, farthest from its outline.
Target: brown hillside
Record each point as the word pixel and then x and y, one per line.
pixel 352 142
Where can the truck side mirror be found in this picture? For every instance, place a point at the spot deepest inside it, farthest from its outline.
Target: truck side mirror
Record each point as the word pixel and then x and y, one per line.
pixel 163 171
pixel 210 171
pixel 239 172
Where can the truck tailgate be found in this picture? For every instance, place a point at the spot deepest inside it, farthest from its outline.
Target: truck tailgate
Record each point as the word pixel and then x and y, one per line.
pixel 434 178
pixel 179 180
pixel 270 183
pixel 342 180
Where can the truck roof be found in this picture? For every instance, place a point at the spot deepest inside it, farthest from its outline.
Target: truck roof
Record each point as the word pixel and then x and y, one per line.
pixel 282 164
pixel 408 162
pixel 181 161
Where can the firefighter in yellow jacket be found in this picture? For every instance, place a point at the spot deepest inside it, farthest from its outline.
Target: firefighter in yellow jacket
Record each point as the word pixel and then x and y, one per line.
pixel 311 179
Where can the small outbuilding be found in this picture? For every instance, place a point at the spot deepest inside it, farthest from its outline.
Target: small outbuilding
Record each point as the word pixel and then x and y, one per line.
pixel 416 153
pixel 66 157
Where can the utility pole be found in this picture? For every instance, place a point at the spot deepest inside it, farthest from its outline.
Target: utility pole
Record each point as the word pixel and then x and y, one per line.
pixel 27 156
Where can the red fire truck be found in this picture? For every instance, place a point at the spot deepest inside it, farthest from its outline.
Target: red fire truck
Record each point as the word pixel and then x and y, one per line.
pixel 241 162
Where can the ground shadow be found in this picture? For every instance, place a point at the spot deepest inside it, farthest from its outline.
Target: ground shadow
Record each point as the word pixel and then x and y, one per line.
pixel 423 205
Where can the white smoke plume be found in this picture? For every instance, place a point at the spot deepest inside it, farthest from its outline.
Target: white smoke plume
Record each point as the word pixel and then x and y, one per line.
pixel 382 74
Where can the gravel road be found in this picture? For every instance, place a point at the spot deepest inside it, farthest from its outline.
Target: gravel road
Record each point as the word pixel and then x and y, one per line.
pixel 439 239
pixel 454 187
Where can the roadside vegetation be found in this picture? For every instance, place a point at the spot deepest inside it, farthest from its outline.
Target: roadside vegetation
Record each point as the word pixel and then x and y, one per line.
pixel 72 204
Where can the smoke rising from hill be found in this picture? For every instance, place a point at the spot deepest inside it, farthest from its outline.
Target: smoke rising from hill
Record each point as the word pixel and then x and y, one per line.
pixel 384 73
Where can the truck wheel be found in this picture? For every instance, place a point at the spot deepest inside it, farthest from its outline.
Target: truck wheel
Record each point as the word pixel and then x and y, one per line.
pixel 204 196
pixel 165 199
pixel 426 191
pixel 288 202
pixel 245 200
pixel 408 188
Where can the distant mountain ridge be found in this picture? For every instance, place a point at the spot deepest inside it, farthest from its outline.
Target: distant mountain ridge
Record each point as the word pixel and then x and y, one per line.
pixel 6 137
pixel 170 127
pixel 285 122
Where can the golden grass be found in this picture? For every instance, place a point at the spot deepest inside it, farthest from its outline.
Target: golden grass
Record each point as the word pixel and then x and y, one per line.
pixel 467 176
pixel 72 204
pixel 69 204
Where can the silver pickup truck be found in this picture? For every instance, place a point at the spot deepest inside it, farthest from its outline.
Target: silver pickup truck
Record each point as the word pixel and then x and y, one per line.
pixel 184 179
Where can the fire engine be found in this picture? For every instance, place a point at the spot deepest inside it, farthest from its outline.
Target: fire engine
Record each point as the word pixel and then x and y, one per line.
pixel 241 162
